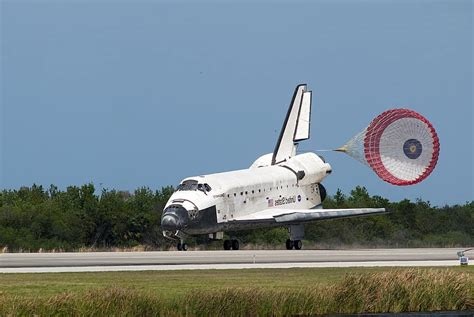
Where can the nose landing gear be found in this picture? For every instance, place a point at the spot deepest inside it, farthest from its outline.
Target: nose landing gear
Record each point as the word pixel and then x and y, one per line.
pixel 182 246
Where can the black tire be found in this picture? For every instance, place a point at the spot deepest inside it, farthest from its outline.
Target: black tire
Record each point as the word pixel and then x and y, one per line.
pixel 289 244
pixel 298 244
pixel 227 244
pixel 322 192
pixel 184 247
pixel 235 244
pixel 179 247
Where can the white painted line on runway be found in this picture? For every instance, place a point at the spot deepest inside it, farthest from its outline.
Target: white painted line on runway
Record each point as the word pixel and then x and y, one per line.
pixel 230 266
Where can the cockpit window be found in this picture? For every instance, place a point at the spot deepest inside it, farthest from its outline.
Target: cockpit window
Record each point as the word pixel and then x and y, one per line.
pixel 188 185
pixel 194 185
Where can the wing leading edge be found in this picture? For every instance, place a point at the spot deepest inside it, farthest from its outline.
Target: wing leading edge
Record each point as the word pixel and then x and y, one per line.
pixel 304 215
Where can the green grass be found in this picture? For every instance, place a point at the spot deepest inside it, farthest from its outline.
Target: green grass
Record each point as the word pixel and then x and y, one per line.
pixel 238 292
pixel 170 283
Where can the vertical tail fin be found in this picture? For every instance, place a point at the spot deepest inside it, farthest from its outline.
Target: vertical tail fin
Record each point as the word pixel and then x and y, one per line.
pixel 296 126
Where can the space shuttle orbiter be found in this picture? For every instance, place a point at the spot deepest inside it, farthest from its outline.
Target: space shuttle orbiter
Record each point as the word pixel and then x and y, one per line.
pixel 279 189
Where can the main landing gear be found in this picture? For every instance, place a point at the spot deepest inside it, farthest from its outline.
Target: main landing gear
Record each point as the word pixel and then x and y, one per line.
pixel 296 235
pixel 231 244
pixel 296 244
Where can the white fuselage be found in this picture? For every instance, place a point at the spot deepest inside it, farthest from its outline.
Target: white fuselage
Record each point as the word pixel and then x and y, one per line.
pixel 215 202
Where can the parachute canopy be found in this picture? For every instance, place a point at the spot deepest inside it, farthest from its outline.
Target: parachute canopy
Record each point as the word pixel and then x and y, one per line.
pixel 400 145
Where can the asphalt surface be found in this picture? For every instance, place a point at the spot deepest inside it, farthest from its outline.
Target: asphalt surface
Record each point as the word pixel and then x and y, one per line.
pixel 173 260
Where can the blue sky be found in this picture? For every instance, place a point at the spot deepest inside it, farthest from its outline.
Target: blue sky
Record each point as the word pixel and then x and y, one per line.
pixel 145 93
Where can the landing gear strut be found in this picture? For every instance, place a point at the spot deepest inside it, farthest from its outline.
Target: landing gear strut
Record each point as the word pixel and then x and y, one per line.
pixel 231 244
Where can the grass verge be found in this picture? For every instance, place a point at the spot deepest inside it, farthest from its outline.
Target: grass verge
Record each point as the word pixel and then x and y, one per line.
pixel 349 291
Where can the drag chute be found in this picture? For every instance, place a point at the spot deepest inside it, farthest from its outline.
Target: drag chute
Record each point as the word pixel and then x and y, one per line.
pixel 399 145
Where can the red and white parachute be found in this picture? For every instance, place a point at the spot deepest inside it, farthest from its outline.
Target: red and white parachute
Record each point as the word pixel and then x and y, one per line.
pixel 400 145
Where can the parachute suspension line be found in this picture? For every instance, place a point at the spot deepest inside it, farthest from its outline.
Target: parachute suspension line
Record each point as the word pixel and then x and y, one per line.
pixel 355 147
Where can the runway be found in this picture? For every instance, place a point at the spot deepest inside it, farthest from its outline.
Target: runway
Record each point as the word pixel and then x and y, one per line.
pixel 243 259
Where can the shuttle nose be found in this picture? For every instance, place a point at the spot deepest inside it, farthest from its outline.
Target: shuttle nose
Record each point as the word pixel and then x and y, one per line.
pixel 169 222
pixel 174 218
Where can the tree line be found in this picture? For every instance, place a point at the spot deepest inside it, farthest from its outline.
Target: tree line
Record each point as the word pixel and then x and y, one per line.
pixel 34 218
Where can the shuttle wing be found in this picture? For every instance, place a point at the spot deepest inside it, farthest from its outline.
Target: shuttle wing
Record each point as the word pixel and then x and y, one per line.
pixel 296 126
pixel 304 215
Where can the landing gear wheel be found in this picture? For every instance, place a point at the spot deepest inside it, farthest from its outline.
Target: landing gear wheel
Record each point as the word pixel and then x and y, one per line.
pixel 298 244
pixel 179 246
pixel 289 244
pixel 235 244
pixel 184 247
pixel 227 244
